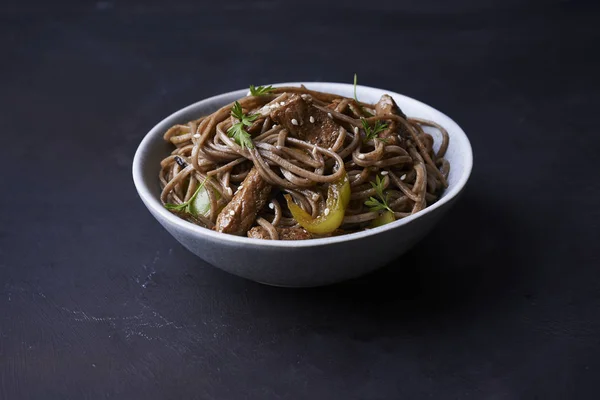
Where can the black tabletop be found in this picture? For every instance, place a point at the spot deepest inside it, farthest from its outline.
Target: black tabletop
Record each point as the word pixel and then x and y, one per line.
pixel 500 301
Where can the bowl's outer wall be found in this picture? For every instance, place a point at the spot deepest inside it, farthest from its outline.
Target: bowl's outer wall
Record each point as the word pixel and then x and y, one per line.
pixel 304 266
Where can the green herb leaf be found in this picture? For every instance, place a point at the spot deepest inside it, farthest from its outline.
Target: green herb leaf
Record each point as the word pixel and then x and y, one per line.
pixel 374 131
pixel 240 136
pixel 378 185
pixel 355 80
pixel 260 90
pixel 380 203
pixel 238 131
pixel 375 205
pixel 237 111
pixel 356 98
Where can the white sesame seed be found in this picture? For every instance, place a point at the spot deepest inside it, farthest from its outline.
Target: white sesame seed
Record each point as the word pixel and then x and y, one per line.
pixel 356 129
pixel 312 119
pixel 384 173
pixel 271 206
pixel 326 211
pixel 361 156
pixel 240 187
pixel 294 121
pixel 403 177
pixel 282 103
pixel 329 115
pixel 196 136
pixel 274 126
pixel 231 212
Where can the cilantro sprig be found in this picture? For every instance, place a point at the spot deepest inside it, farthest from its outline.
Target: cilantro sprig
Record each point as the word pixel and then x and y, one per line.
pixel 261 90
pixel 238 131
pixel 372 132
pixel 381 203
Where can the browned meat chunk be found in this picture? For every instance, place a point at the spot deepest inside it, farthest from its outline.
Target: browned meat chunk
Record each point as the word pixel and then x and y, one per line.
pixel 239 215
pixel 387 105
pixel 258 232
pixel 306 122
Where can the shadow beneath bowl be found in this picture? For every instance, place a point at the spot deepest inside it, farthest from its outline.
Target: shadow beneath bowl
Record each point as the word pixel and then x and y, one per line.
pixel 467 264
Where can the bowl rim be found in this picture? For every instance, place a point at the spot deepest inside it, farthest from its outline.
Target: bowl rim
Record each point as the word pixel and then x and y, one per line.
pixel 151 201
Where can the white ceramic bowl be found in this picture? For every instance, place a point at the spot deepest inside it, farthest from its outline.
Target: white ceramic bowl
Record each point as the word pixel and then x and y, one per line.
pixel 310 262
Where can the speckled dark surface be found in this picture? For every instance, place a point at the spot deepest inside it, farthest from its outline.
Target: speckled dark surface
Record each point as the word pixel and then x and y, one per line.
pixel 501 301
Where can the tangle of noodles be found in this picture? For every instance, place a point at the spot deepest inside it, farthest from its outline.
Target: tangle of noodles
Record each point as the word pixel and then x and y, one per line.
pixel 410 171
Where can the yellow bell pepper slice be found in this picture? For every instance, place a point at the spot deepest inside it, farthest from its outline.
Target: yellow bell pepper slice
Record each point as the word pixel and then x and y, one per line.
pixel 338 197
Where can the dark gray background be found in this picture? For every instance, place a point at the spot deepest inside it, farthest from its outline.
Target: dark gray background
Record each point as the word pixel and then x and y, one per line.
pixel 501 301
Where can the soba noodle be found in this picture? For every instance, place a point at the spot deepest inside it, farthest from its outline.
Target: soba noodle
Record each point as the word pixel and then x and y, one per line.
pixel 388 161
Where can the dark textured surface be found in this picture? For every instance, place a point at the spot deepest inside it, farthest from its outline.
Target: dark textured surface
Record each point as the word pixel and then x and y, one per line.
pixel 501 301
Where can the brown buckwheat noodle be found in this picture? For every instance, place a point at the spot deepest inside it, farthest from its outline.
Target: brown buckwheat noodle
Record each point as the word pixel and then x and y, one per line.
pixel 412 173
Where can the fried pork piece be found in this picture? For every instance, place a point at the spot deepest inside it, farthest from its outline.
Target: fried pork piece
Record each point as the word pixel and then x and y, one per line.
pixel 306 122
pixel 239 215
pixel 387 106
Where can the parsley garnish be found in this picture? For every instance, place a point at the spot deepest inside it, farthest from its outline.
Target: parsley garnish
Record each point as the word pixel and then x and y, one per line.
pixel 260 90
pixel 187 206
pixel 380 204
pixel 373 132
pixel 238 130
pixel 237 112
